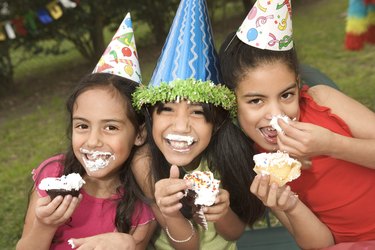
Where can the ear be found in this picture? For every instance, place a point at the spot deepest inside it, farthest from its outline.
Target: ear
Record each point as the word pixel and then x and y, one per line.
pixel 141 136
pixel 299 82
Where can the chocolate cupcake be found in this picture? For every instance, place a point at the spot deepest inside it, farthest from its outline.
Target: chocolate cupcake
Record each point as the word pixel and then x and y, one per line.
pixel 64 185
pixel 203 193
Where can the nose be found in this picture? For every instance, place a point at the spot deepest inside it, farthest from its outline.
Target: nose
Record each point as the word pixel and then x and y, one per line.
pixel 94 139
pixel 274 109
pixel 181 122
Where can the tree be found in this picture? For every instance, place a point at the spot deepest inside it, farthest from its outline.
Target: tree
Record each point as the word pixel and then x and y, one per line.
pixel 83 25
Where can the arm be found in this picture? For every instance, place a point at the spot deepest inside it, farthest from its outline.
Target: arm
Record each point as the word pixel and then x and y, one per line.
pixel 168 193
pixel 307 230
pixel 307 140
pixel 141 171
pixel 143 234
pixel 137 239
pixel 227 223
pixel 43 217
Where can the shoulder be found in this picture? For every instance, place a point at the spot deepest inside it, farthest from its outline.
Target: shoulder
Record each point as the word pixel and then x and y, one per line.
pixel 357 116
pixel 323 94
pixel 50 167
pixel 141 168
pixel 141 160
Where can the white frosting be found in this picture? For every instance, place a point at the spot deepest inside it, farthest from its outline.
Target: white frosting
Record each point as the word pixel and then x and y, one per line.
pixel 95 160
pixel 280 166
pixel 184 138
pixel 205 185
pixel 275 124
pixel 279 158
pixel 71 243
pixel 66 182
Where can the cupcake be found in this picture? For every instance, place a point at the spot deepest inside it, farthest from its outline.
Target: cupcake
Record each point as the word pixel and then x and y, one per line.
pixel 203 193
pixel 64 185
pixel 279 166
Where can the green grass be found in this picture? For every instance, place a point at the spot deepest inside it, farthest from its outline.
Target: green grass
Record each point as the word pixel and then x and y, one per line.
pixel 28 138
pixel 319 35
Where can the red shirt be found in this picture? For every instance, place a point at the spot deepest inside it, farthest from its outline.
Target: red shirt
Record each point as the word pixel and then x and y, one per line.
pixel 340 193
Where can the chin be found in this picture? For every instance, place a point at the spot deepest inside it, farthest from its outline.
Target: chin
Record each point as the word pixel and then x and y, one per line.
pixel 178 161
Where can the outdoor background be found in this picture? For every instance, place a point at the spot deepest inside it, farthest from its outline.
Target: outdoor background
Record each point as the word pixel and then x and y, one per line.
pixel 32 111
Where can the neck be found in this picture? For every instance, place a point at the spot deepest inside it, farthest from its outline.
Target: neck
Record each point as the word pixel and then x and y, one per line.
pixel 192 165
pixel 101 188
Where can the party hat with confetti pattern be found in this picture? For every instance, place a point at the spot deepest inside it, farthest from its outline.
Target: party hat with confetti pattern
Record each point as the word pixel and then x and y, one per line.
pixel 121 58
pixel 268 25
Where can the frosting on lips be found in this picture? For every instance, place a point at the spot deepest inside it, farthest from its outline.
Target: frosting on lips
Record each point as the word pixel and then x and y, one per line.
pixel 95 160
pixel 180 143
pixel 182 138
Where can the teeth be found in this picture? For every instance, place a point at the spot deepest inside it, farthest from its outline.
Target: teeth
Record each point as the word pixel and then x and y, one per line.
pixel 95 160
pixel 178 145
pixel 180 138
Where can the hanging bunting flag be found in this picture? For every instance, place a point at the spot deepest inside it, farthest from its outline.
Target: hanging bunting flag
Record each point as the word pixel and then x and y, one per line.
pixel 54 9
pixel 44 17
pixel 4 11
pixel 19 26
pixel 30 22
pixel 2 34
pixel 22 26
pixel 9 30
pixel 68 4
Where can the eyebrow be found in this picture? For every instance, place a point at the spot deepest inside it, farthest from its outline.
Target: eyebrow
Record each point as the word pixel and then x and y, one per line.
pixel 105 120
pixel 291 86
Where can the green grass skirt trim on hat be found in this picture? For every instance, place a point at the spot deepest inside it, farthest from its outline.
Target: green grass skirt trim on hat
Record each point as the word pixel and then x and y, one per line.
pixel 189 89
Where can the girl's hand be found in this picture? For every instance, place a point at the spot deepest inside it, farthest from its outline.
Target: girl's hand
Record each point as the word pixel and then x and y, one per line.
pixel 273 196
pixel 219 208
pixel 105 241
pixel 304 140
pixel 168 193
pixel 56 212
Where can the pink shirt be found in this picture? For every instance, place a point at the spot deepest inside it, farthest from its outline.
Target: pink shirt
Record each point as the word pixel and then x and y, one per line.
pixel 93 215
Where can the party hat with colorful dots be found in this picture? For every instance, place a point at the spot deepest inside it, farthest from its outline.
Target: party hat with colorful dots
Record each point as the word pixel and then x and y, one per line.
pixel 268 25
pixel 188 67
pixel 121 58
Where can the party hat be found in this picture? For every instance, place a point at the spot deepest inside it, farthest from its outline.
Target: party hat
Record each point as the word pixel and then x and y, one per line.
pixel 188 65
pixel 121 58
pixel 268 25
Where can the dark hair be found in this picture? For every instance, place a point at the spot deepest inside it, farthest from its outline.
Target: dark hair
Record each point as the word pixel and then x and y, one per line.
pixel 228 154
pixel 129 190
pixel 237 59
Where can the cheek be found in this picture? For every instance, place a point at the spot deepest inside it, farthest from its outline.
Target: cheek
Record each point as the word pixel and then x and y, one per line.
pixel 77 140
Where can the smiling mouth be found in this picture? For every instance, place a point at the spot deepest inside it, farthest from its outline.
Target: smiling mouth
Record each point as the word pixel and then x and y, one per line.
pixel 269 134
pixel 180 143
pixel 95 160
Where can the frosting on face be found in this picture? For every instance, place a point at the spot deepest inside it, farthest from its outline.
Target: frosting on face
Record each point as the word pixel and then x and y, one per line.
pixel 275 124
pixel 181 138
pixel 95 160
pixel 205 185
pixel 65 182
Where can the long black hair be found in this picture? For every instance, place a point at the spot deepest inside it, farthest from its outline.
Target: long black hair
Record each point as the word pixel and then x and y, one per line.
pixel 129 190
pixel 229 154
pixel 237 59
